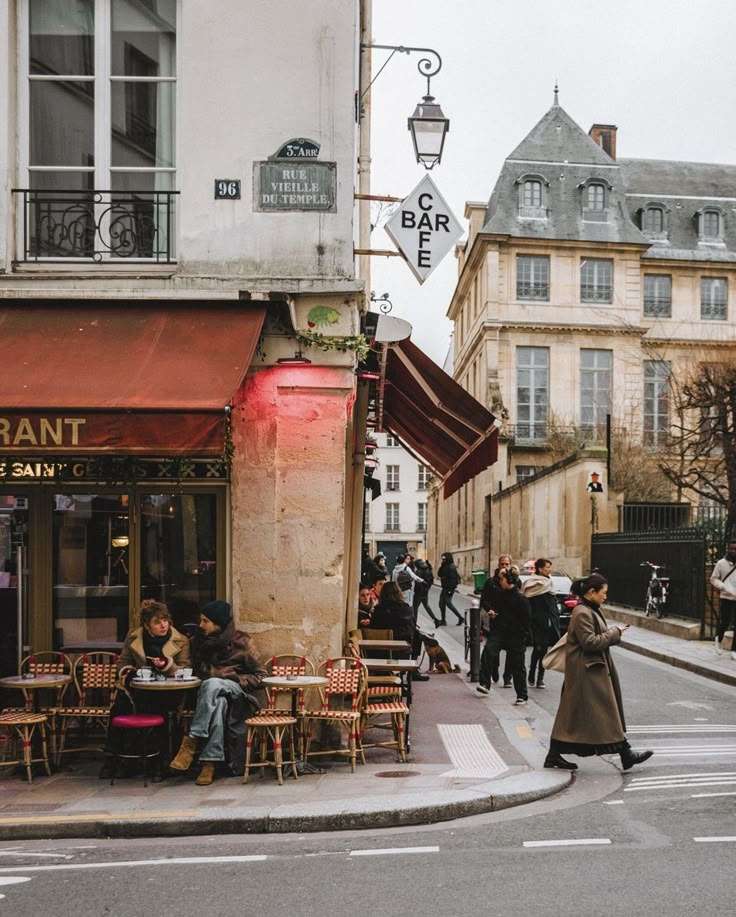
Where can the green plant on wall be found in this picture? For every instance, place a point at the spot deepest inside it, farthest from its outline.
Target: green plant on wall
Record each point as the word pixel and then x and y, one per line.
pixel 358 343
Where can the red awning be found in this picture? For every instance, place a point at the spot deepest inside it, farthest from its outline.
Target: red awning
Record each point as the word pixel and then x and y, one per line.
pixel 436 418
pixel 133 377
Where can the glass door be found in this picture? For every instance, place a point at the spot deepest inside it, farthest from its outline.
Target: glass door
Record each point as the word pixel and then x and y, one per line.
pixel 178 551
pixel 13 594
pixel 91 569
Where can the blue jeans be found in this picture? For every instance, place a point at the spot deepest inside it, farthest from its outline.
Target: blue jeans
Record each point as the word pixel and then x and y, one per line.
pixel 211 713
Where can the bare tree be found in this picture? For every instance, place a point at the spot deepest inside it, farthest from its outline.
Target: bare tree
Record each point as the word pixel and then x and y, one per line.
pixel 700 457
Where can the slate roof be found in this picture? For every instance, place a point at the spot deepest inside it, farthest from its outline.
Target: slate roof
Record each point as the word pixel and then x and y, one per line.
pixel 560 152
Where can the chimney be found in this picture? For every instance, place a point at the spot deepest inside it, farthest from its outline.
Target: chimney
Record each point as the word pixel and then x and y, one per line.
pixel 605 136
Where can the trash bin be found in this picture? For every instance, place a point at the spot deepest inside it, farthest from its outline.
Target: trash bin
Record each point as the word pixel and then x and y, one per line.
pixel 479 579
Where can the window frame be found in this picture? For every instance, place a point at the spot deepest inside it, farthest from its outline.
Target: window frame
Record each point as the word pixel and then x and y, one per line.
pixel 393 478
pixel 421 516
pixel 656 373
pixel 595 214
pixel 525 211
pixel 393 511
pixel 540 259
pixel 703 214
pixel 596 374
pixel 536 429
pixel 656 306
pixel 712 281
pixel 603 299
pixel 424 477
pixel 103 170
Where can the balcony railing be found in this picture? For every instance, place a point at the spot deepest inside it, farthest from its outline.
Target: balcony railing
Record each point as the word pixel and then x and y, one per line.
pixel 541 434
pixel 97 226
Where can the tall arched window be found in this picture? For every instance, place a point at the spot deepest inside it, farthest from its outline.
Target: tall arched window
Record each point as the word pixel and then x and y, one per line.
pixel 711 224
pixel 653 220
pixel 532 193
pixel 595 197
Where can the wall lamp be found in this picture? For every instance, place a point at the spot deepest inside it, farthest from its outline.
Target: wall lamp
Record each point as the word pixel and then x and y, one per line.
pixel 428 125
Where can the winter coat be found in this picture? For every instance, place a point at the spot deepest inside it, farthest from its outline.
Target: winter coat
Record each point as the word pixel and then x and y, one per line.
pixel 512 618
pixel 395 616
pixel 424 570
pixel 723 580
pixel 176 650
pixel 227 654
pixel 545 614
pixel 370 572
pixel 591 711
pixel 449 577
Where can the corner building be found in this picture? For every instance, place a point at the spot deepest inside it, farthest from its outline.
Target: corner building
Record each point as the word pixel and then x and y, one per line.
pixel 177 203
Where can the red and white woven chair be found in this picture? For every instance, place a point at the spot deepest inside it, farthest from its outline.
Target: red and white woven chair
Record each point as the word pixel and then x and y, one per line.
pixel 96 681
pixel 49 700
pixel 24 724
pixel 341 700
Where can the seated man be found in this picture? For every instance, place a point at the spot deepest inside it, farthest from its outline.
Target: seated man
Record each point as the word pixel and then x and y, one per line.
pixel 224 659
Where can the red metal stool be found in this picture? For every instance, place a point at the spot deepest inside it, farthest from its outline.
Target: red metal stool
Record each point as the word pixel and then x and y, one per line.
pixel 144 723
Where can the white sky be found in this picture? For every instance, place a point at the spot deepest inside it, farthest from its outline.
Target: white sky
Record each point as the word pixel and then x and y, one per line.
pixel 664 71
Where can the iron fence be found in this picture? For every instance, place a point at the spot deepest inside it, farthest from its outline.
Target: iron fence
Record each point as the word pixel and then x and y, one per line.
pixel 92 225
pixel 682 554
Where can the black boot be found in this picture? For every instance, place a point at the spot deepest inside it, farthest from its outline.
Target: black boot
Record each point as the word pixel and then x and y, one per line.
pixel 554 760
pixel 629 758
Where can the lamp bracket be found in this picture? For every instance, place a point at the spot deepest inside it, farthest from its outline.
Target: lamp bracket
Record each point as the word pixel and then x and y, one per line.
pixel 426 66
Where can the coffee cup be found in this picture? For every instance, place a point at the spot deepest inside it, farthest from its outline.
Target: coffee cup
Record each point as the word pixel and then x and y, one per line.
pixel 183 674
pixel 145 674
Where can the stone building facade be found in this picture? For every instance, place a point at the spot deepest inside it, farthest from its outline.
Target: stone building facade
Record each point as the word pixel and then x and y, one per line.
pixel 584 281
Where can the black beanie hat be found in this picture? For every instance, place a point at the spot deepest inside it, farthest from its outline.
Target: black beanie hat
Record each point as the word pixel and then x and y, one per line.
pixel 219 612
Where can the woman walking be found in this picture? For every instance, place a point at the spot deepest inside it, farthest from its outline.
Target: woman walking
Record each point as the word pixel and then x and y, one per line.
pixel 590 719
pixel 449 581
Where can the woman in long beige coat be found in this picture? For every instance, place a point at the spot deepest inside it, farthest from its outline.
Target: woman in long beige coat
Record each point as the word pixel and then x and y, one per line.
pixel 590 719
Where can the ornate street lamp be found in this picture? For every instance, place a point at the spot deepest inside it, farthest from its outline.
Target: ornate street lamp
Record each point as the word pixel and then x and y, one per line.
pixel 428 125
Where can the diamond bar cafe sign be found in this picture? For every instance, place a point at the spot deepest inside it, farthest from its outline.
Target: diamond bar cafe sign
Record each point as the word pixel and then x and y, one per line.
pixel 424 229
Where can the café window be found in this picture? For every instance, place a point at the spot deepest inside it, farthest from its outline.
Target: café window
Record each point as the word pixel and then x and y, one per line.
pixel 97 113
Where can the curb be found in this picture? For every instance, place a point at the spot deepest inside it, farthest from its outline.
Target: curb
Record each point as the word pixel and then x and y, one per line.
pixel 676 662
pixel 335 815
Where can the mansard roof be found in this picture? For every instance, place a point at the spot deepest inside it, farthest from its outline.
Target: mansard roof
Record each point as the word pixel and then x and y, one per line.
pixel 557 138
pixel 564 157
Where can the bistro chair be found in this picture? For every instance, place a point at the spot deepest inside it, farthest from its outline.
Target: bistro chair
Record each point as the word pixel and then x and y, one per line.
pixel 378 686
pixel 340 704
pixel 47 663
pixel 96 681
pixel 142 726
pixel 24 724
pixel 397 711
pixel 268 729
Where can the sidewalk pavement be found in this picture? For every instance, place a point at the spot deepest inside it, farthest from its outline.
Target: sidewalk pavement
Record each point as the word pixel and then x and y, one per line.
pixel 461 763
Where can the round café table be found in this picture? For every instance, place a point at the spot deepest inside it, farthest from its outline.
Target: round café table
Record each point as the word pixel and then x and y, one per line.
pixel 294 684
pixel 166 684
pixel 35 683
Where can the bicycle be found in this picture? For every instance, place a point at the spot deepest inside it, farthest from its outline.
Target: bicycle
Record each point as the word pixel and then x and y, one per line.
pixel 657 590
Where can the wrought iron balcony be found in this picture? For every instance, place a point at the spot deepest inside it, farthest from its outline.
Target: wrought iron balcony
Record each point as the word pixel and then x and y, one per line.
pixel 98 226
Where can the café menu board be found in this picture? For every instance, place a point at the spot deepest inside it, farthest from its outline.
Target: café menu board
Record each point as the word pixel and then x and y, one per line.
pixel 292 184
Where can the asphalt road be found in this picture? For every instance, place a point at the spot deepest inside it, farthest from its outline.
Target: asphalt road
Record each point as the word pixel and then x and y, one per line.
pixel 658 839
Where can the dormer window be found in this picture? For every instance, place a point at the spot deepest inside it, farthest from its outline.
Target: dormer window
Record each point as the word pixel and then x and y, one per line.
pixel 653 221
pixel 595 193
pixel 710 226
pixel 532 192
pixel 595 197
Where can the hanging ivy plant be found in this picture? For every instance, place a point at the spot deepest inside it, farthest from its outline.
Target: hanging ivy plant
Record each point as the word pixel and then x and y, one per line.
pixel 358 343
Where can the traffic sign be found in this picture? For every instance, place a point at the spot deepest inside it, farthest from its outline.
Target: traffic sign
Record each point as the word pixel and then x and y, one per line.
pixel 424 228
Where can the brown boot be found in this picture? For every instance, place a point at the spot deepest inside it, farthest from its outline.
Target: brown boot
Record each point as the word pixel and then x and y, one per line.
pixel 207 774
pixel 185 755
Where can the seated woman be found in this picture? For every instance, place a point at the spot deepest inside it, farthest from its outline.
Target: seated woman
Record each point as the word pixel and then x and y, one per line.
pixel 393 613
pixel 158 645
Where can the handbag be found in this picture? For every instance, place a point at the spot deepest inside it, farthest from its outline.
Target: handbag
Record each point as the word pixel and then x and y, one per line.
pixel 555 658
